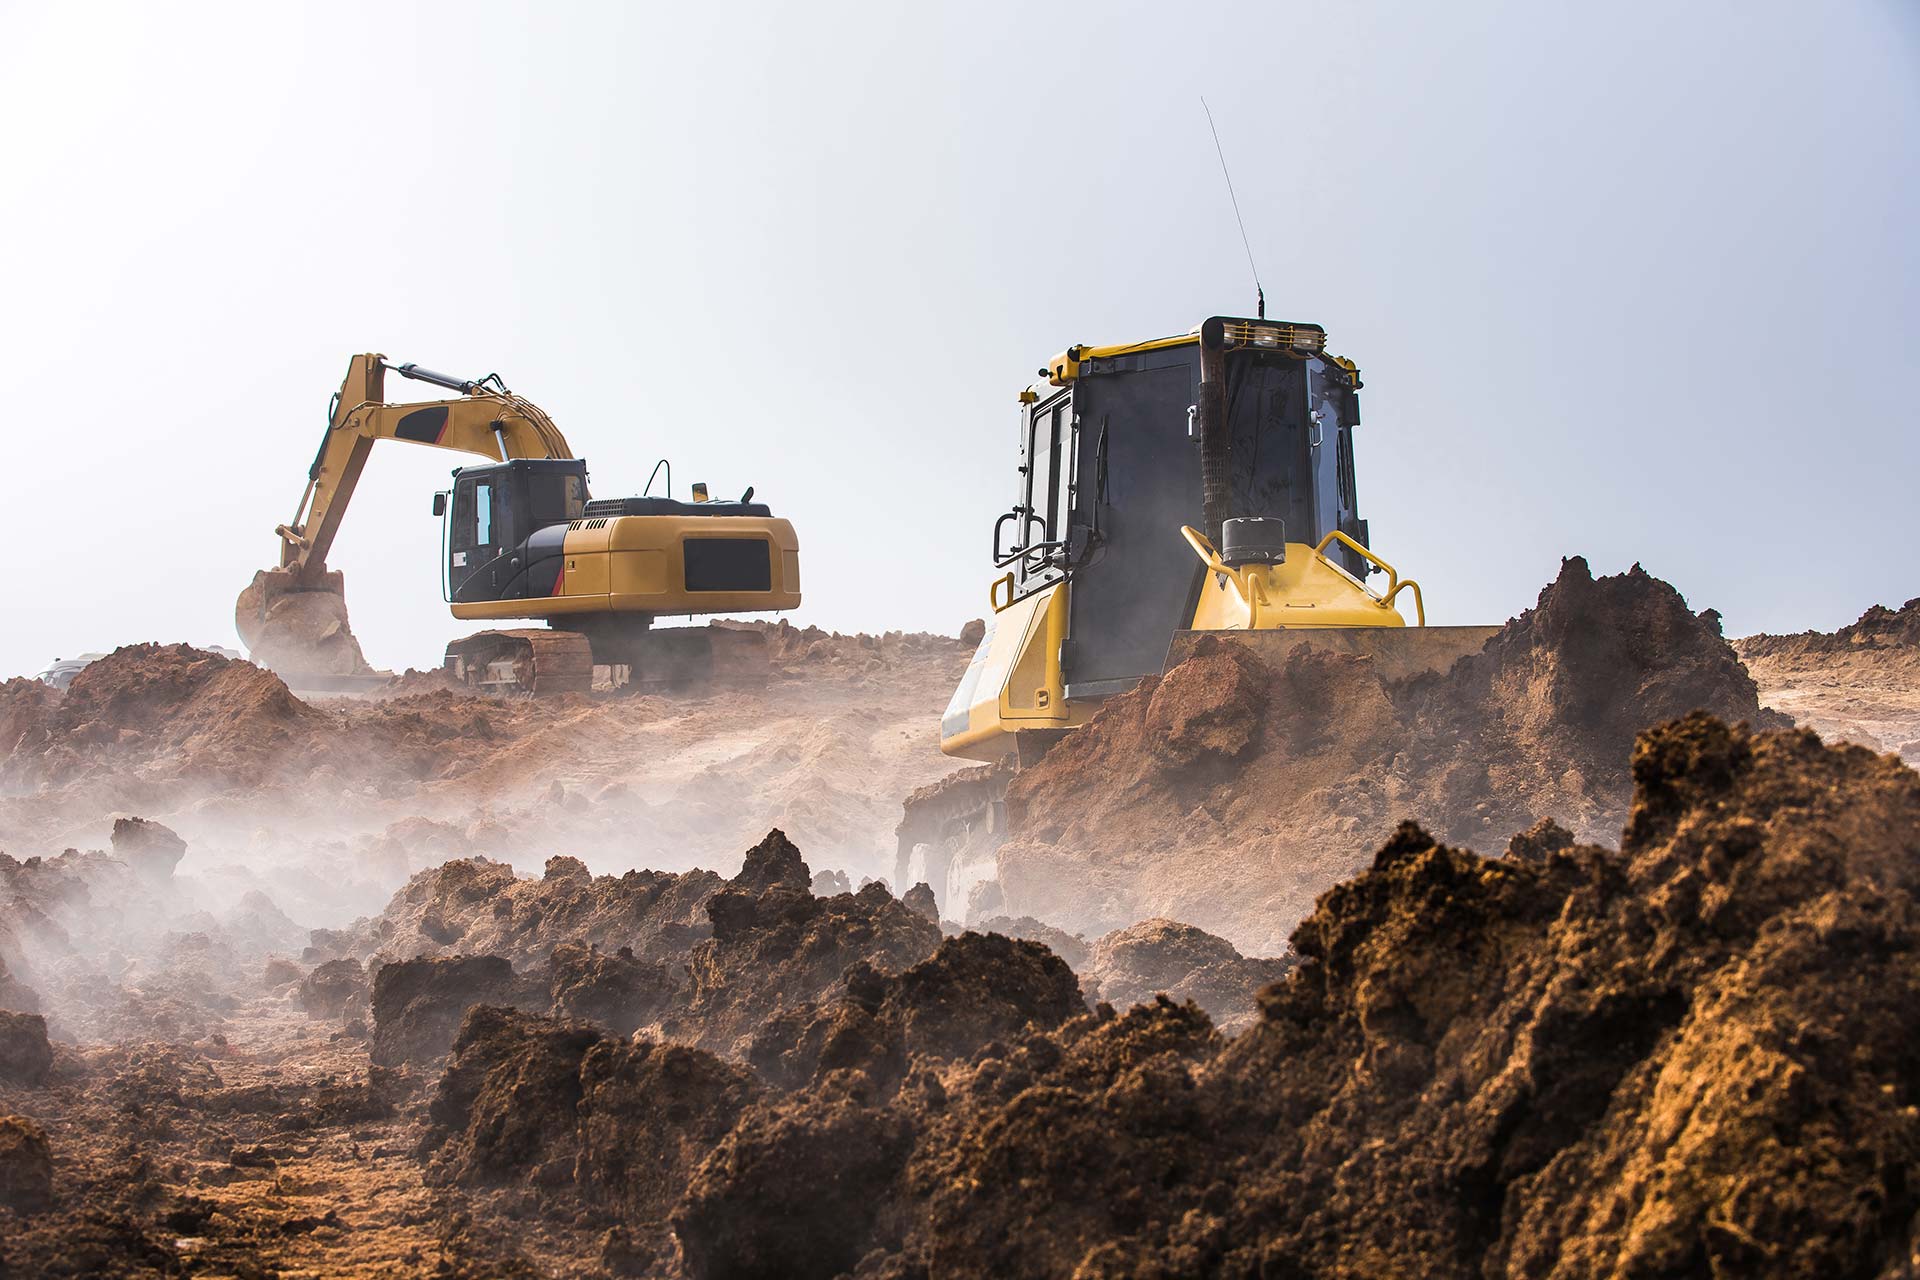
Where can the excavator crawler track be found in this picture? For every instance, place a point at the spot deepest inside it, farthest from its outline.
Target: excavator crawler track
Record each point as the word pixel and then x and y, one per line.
pixel 525 660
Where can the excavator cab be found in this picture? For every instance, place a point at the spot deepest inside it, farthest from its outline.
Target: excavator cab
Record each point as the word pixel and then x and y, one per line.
pixel 507 527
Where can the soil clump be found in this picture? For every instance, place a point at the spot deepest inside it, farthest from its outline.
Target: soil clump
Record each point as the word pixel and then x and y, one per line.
pixel 1131 966
pixel 25 1054
pixel 26 1166
pixel 776 947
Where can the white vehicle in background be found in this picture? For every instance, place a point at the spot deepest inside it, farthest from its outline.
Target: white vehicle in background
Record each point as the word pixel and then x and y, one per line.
pixel 63 670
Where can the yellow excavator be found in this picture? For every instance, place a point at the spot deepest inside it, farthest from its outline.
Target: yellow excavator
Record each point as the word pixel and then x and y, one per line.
pixel 523 538
pixel 1196 484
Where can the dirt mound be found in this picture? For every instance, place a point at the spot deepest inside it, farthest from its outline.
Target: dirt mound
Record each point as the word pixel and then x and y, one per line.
pixel 149 848
pixel 1132 965
pixel 1691 1056
pixel 25 1055
pixel 1071 947
pixel 1858 684
pixel 975 989
pixel 776 947
pixel 166 711
pixel 335 989
pixel 555 1103
pixel 26 1166
pixel 1230 795
pixel 110 950
pixel 482 907
pixel 418 1005
pixel 615 989
pixel 15 995
pixel 1878 628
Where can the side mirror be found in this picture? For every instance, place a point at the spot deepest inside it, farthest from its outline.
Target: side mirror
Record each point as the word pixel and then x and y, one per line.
pixel 440 504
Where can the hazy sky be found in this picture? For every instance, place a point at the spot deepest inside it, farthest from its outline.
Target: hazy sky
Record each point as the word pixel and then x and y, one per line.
pixel 1635 281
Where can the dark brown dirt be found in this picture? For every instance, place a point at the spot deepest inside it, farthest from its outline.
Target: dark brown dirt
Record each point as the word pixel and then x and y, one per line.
pixel 335 989
pixel 1878 628
pixel 977 988
pixel 1230 796
pixel 25 1055
pixel 557 1105
pixel 150 848
pixel 481 907
pixel 1130 966
pixel 775 947
pixel 1693 1056
pixel 615 989
pixel 418 1005
pixel 26 1166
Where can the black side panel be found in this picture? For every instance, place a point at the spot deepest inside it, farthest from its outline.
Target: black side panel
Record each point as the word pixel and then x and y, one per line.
pixel 422 426
pixel 729 564
pixel 1135 587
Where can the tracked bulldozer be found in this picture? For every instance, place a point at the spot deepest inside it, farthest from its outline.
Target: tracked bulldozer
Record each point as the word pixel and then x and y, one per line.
pixel 523 539
pixel 1184 486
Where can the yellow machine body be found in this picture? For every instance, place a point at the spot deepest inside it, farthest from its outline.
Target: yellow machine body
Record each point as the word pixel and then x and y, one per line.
pixel 1013 681
pixel 1243 426
pixel 636 564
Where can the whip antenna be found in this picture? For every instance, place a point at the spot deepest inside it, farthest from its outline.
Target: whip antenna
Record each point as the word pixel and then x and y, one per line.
pixel 1259 294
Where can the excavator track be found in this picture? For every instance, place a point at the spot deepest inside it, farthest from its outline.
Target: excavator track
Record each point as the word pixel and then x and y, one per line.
pixel 529 660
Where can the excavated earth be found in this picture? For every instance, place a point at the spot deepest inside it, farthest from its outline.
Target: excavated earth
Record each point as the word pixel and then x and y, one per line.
pixel 1692 1055
pixel 1859 684
pixel 329 804
pixel 1661 1024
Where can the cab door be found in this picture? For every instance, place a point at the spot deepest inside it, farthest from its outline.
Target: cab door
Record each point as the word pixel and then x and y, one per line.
pixel 474 539
pixel 1047 443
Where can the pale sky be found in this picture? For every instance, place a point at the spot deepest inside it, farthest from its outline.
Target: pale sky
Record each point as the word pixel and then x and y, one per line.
pixel 1633 281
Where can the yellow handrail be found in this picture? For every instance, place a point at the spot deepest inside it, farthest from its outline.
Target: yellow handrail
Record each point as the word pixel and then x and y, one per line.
pixel 1394 585
pixel 993 592
pixel 1204 549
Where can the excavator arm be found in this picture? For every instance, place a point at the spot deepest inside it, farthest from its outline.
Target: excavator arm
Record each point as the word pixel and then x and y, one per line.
pixel 485 419
pixel 294 618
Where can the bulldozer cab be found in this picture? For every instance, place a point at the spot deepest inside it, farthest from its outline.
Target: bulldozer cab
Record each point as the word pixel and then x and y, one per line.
pixel 507 524
pixel 1111 468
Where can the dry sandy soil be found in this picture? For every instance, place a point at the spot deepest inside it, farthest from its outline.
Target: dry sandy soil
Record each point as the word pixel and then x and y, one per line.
pixel 329 804
pixel 1860 684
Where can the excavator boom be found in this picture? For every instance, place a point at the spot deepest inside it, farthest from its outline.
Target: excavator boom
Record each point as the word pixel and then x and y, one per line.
pixel 487 421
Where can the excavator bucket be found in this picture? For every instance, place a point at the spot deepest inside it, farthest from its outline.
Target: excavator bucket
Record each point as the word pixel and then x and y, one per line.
pixel 300 631
pixel 1396 652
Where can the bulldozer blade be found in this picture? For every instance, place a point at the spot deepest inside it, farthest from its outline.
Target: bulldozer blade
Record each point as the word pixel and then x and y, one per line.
pixel 1397 652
